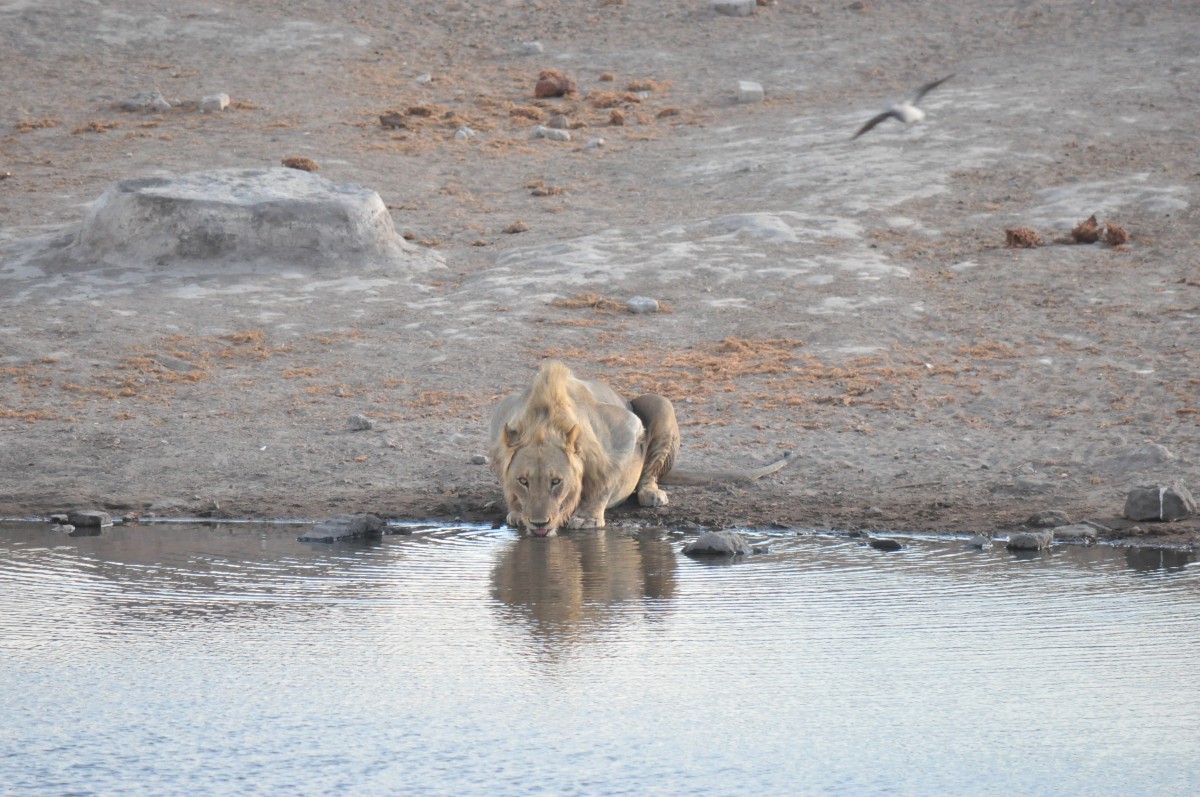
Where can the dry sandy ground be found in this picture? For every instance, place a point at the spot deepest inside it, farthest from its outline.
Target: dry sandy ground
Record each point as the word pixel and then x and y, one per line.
pixel 852 301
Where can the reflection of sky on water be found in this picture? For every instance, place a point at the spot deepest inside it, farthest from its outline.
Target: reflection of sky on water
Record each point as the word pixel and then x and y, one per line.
pixel 470 661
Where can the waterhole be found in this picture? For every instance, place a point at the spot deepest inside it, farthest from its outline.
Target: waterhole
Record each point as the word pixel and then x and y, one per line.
pixel 232 659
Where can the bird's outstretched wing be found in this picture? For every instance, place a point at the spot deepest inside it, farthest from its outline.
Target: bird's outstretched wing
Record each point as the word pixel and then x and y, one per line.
pixel 928 87
pixel 889 114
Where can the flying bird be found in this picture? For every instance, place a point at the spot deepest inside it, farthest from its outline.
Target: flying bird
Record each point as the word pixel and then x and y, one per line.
pixel 906 111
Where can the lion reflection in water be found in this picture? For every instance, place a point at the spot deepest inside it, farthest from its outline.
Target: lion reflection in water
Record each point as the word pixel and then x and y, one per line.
pixel 571 584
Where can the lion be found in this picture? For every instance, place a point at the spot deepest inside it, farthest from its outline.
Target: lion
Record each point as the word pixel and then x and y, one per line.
pixel 566 449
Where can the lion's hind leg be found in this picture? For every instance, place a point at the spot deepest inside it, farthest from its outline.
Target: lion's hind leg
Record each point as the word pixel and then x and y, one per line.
pixel 662 446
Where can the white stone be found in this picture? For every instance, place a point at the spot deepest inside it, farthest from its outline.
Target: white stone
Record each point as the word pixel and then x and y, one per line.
pixel 532 48
pixel 463 133
pixel 749 91
pixel 554 135
pixel 214 103
pixel 734 8
pixel 642 304
pixel 242 221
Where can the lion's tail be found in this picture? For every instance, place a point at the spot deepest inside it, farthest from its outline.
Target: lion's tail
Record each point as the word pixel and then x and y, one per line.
pixel 686 477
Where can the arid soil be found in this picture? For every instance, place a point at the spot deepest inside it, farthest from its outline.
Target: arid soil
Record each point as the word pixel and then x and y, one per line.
pixel 855 302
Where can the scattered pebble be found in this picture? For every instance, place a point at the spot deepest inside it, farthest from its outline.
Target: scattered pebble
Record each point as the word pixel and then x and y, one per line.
pixel 1048 519
pixel 424 79
pixel 734 8
pixel 749 91
pixel 391 119
pixel 463 133
pixel 541 131
pixel 146 101
pixel 214 103
pixel 532 48
pixel 301 163
pixel 1022 238
pixel 360 423
pixel 552 83
pixel 1086 231
pixel 642 304
pixel 479 459
pixel 595 143
pixel 1114 235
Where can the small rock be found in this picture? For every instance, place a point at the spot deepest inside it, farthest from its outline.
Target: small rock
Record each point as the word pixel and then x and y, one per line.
pixel 760 548
pixel 214 103
pixel 301 163
pixel 344 527
pixel 58 517
pixel 595 143
pixel 463 133
pixel 91 518
pixel 65 528
pixel 1076 532
pixel 749 91
pixel 1165 502
pixel 718 543
pixel 883 544
pixel 1086 231
pixel 642 304
pixel 1021 238
pixel 1048 519
pixel 360 423
pixel 734 8
pixel 978 541
pixel 425 79
pixel 552 83
pixel 479 459
pixel 145 101
pixel 532 48
pixel 1141 457
pixel 1030 540
pixel 541 131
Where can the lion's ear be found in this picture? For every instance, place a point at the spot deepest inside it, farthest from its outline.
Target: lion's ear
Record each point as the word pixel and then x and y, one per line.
pixel 573 439
pixel 511 436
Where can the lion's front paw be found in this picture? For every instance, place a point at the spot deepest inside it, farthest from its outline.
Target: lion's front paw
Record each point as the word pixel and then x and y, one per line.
pixel 652 496
pixel 580 522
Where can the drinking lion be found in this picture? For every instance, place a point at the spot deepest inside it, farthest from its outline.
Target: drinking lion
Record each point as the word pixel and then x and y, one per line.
pixel 566 449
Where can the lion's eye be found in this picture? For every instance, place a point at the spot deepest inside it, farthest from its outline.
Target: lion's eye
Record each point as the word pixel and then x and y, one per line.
pixel 523 481
pixel 555 482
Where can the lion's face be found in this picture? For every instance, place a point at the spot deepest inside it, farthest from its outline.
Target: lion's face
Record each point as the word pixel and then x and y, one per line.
pixel 543 483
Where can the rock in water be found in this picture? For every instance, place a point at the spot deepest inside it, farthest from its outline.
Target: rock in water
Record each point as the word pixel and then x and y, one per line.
pixel 718 543
pixel 1030 540
pixel 344 527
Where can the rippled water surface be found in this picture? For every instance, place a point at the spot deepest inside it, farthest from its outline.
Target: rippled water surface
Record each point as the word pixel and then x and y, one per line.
pixel 187 659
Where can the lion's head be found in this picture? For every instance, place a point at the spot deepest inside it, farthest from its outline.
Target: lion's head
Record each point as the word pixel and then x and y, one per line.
pixel 546 452
pixel 542 475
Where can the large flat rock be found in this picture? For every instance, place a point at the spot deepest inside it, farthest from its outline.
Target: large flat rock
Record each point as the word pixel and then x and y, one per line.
pixel 242 221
